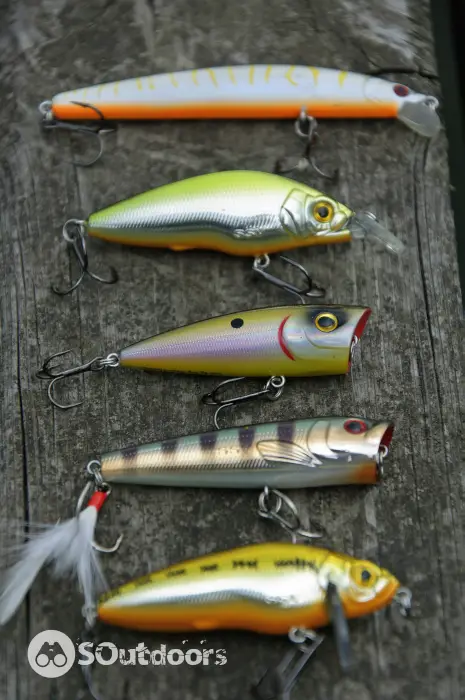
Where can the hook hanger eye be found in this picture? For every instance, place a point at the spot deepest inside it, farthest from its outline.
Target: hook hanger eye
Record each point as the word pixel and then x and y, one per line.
pixel 95 482
pixel 74 235
pixel 306 128
pixel 94 129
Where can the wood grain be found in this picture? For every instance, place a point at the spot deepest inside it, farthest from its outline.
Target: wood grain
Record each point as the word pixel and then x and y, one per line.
pixel 409 365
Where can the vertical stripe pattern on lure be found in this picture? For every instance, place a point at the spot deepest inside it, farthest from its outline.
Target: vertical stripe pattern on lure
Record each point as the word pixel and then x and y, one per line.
pixel 289 341
pixel 248 92
pixel 238 213
pixel 295 454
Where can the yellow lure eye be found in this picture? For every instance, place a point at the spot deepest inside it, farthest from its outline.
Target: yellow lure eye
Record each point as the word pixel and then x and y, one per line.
pixel 323 212
pixel 326 322
pixel 363 576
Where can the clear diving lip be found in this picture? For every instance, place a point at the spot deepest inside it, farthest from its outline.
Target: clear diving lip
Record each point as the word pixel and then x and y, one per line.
pixel 364 224
pixel 421 117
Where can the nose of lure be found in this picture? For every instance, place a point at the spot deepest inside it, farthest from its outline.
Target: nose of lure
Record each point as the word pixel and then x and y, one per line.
pixel 421 116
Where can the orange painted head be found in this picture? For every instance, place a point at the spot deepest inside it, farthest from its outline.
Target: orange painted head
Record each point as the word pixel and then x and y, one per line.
pixel 363 586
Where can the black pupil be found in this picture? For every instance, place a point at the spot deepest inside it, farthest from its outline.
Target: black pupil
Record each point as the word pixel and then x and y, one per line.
pixel 237 322
pixel 355 427
pixel 326 321
pixel 323 212
pixel 366 576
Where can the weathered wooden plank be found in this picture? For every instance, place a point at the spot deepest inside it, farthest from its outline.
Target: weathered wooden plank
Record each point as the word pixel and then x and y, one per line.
pixel 409 367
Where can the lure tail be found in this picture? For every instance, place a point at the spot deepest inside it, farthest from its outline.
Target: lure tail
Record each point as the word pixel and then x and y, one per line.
pixel 67 546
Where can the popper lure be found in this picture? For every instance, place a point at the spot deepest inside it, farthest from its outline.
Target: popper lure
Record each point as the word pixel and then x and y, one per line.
pixel 243 92
pixel 327 451
pixel 276 342
pixel 243 213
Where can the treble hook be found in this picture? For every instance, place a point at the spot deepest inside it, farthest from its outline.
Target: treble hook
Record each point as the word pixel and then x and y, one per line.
pixel 97 484
pixel 101 127
pixel 306 128
pixel 272 511
pixel 260 264
pixel 54 374
pixel 279 680
pixel 272 389
pixel 73 233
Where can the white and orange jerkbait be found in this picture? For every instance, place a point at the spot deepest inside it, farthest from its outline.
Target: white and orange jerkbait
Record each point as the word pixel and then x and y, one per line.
pixel 248 92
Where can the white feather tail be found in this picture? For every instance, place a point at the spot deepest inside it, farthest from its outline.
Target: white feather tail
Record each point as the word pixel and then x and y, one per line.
pixel 68 548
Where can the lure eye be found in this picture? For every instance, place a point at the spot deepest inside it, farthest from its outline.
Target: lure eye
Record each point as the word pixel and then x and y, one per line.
pixel 363 576
pixel 355 426
pixel 323 212
pixel 326 322
pixel 401 90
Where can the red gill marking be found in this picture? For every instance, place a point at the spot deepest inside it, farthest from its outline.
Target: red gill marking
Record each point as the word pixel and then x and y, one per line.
pixel 98 499
pixel 387 437
pixel 283 345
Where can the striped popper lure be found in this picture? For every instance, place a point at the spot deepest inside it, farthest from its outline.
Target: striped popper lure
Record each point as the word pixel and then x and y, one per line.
pixel 275 342
pixel 242 213
pixel 326 451
pixel 244 92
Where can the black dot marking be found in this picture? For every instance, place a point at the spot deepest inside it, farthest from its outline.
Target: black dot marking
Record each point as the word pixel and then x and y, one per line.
pixel 209 567
pixel 176 572
pixel 129 453
pixel 366 576
pixel 208 441
pixel 286 431
pixel 245 564
pixel 246 437
pixel 143 580
pixel 295 563
pixel 169 446
pixel 237 322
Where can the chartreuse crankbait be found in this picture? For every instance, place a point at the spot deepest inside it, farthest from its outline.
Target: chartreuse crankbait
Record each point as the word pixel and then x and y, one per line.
pixel 276 342
pixel 243 92
pixel 242 213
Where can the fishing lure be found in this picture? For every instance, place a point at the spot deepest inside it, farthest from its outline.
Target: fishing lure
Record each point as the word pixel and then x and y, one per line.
pixel 242 92
pixel 269 588
pixel 275 342
pixel 238 213
pixel 266 588
pixel 326 451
